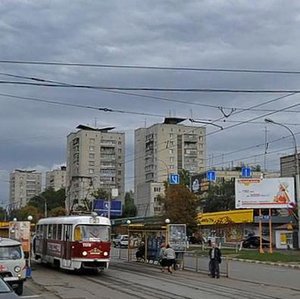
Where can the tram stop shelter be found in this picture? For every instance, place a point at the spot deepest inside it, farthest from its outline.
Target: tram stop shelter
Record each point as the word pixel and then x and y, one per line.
pixel 147 237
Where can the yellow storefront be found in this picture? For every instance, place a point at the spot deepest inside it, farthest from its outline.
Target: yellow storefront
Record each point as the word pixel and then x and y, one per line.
pixel 229 226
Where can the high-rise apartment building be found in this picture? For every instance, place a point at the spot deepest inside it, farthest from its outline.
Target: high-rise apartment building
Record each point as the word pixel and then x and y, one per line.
pixel 56 178
pixel 24 184
pixel 288 165
pixel 160 150
pixel 95 160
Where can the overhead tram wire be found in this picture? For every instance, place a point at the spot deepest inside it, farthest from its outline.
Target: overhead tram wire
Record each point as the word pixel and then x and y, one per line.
pixel 64 84
pixel 104 109
pixel 238 110
pixel 108 110
pixel 154 89
pixel 146 67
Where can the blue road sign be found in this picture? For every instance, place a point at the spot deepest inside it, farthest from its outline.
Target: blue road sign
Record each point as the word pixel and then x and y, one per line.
pixel 174 179
pixel 211 176
pixel 246 172
pixel 101 206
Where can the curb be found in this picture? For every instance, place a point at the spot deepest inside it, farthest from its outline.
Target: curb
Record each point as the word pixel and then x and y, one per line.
pixel 293 266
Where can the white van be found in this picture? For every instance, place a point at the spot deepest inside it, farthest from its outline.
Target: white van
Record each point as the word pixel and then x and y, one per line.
pixel 12 264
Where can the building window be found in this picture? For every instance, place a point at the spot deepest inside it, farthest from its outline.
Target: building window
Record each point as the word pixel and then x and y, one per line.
pixel 92 141
pixel 91 156
pixel 91 170
pixel 91 163
pixel 91 148
pixel 172 159
pixel 171 151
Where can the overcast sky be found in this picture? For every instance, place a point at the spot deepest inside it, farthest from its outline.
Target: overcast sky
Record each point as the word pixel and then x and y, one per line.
pixel 256 35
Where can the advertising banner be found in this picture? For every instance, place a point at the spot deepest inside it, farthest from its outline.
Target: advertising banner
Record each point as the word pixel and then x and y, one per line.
pixel 226 217
pixel 20 231
pixel 177 236
pixel 199 183
pixel 273 193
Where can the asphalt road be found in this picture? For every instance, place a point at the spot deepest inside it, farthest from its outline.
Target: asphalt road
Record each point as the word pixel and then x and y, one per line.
pixel 143 281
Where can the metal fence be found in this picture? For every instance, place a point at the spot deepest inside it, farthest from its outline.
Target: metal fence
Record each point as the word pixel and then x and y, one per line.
pixel 190 261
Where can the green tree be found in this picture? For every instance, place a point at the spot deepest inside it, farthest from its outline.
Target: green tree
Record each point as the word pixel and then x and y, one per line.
pixel 26 211
pixel 52 199
pixel 59 211
pixel 184 177
pixel 180 205
pixel 2 214
pixel 100 194
pixel 220 197
pixel 129 209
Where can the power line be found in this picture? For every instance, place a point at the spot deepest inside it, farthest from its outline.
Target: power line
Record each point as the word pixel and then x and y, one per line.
pixel 161 98
pixel 146 67
pixel 156 89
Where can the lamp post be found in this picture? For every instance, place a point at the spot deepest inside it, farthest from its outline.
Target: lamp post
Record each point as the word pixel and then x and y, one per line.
pixel 268 120
pixel 45 205
pixel 28 270
pixel 167 222
pixel 128 222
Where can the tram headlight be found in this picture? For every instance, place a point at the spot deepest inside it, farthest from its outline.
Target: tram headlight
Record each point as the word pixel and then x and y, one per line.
pixel 105 253
pixel 84 253
pixel 17 269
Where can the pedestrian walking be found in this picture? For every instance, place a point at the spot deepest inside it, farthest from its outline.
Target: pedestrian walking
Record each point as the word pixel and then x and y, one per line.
pixel 215 260
pixel 162 257
pixel 171 258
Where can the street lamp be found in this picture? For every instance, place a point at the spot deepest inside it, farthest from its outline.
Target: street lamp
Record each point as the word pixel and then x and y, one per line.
pixel 268 120
pixel 45 204
pixel 28 269
pixel 167 222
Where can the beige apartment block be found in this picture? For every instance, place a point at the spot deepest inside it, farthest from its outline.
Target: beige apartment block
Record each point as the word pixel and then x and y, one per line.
pixel 288 166
pixel 24 184
pixel 160 150
pixel 56 179
pixel 95 160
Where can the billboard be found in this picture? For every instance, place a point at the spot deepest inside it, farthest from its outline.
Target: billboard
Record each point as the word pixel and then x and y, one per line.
pixel 199 183
pixel 20 231
pixel 177 236
pixel 273 193
pixel 101 206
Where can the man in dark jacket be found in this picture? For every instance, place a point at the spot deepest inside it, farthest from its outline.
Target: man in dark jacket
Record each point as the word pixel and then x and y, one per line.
pixel 215 260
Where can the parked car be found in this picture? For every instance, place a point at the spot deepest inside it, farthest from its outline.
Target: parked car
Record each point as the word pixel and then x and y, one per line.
pixel 12 264
pixel 254 242
pixel 6 292
pixel 121 241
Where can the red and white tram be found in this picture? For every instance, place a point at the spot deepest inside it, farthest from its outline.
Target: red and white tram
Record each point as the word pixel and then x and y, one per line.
pixel 73 242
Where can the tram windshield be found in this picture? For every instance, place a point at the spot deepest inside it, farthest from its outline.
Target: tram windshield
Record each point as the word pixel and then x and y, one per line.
pixel 92 233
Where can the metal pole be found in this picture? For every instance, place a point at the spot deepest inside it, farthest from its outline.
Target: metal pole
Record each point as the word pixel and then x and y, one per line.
pixel 45 207
pixel 108 208
pixel 296 170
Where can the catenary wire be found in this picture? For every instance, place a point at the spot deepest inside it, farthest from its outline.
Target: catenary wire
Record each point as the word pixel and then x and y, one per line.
pixel 232 70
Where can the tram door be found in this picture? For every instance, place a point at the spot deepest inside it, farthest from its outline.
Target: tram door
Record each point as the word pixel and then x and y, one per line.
pixel 67 238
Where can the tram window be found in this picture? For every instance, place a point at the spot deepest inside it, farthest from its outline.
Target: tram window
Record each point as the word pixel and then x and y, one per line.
pixel 59 231
pixel 50 231
pixel 44 227
pixel 92 232
pixel 67 232
pixel 77 233
pixel 38 231
pixel 54 231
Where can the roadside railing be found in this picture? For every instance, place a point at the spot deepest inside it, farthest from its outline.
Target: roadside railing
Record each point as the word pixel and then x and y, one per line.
pixel 191 261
